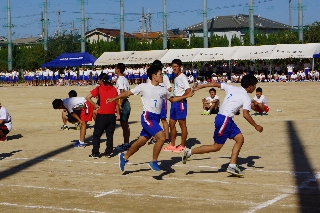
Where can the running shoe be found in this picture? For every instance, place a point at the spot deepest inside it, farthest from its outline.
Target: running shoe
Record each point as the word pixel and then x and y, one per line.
pixel 152 141
pixel 95 156
pixel 178 149
pixel 154 166
pixel 65 127
pixel 123 147
pixel 122 161
pixel 235 171
pixel 186 156
pixel 79 145
pixel 169 148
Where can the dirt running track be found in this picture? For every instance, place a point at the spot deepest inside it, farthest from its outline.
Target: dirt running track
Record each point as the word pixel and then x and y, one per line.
pixel 41 172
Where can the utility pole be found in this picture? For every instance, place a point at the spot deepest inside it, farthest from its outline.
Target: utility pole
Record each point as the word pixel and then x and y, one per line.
pixel 149 20
pixel 290 13
pixel 9 37
pixel 300 20
pixel 205 25
pixel 122 47
pixel 251 22
pixel 165 36
pixel 45 24
pixel 59 22
pixel 143 23
pixel 83 38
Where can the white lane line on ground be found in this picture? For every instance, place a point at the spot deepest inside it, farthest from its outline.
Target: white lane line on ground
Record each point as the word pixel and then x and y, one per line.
pixel 303 185
pixel 268 203
pixel 48 207
pixel 120 192
pixel 283 188
pixel 106 193
pixel 136 164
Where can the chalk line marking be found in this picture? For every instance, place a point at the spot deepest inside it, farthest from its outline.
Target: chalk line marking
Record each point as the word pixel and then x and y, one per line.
pixel 120 192
pixel 106 193
pixel 48 207
pixel 282 196
pixel 139 164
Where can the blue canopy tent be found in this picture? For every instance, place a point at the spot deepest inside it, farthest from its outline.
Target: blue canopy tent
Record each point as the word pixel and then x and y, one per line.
pixel 314 56
pixel 71 60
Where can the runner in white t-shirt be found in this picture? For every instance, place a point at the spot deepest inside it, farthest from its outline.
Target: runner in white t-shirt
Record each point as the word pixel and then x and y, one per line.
pixel 152 96
pixel 236 98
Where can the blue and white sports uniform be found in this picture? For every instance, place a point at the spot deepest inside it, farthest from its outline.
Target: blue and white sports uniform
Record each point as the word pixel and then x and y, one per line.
pixel 152 98
pixel 236 97
pixel 179 109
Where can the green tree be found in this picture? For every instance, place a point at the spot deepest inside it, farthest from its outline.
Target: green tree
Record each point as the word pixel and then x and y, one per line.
pixel 218 41
pixel 178 43
pixel 195 42
pixel 312 33
pixel 235 41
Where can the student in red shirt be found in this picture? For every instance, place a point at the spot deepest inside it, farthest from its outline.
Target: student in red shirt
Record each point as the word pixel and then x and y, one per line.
pixel 106 118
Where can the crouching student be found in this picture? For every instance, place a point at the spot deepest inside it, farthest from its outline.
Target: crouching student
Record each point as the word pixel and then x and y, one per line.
pixel 106 118
pixel 73 104
pixel 260 103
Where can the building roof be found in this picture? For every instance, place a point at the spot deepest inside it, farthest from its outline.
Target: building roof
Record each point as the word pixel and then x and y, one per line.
pixel 240 21
pixel 151 35
pixel 30 40
pixel 109 32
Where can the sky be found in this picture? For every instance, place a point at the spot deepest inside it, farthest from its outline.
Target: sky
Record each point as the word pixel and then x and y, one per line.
pixel 26 14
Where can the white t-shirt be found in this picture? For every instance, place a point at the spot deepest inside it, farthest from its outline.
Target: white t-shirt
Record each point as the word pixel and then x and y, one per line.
pixel 181 84
pixel 290 68
pixel 4 115
pixel 151 96
pixel 75 103
pixel 209 99
pixel 122 83
pixel 236 97
pixel 261 100
pixel 166 82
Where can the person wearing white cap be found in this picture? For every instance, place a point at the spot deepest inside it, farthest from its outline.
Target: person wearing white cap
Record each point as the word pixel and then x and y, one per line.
pixel 5 123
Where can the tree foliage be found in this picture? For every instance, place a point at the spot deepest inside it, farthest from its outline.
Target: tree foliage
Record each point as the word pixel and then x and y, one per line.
pixel 32 56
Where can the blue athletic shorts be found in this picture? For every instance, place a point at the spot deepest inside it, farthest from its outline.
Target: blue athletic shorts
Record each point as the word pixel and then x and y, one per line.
pixel 224 128
pixel 164 109
pixel 150 124
pixel 178 110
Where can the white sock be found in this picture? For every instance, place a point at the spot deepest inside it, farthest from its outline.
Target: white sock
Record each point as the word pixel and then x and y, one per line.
pixel 81 142
pixel 233 165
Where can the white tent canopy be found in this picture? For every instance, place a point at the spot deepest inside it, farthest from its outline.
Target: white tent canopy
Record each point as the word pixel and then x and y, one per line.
pixel 185 55
pixel 145 57
pixel 215 54
pixel 295 51
pixel 253 52
pixel 280 51
pixel 108 58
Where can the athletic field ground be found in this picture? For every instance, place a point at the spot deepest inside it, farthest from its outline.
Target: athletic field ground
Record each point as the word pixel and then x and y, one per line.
pixel 41 172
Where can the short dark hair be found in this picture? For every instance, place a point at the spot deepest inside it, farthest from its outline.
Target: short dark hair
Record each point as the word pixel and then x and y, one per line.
pixel 248 80
pixel 153 70
pixel 102 75
pixel 177 61
pixel 121 67
pixel 72 94
pixel 259 89
pixel 56 103
pixel 157 63
pixel 213 89
pixel 106 81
